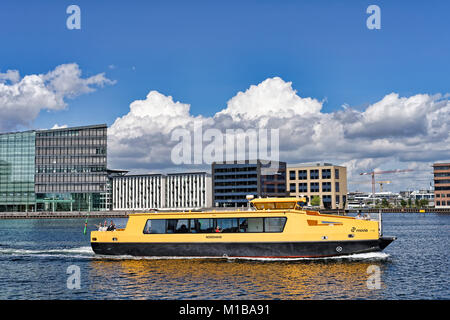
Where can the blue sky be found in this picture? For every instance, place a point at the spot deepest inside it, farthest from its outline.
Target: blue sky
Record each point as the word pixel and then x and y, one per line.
pixel 296 55
pixel 204 52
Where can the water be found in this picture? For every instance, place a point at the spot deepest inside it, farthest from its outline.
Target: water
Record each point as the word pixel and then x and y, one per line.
pixel 35 255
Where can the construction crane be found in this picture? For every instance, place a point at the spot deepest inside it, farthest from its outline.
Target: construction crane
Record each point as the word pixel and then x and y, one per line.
pixel 373 173
pixel 381 184
pixel 376 182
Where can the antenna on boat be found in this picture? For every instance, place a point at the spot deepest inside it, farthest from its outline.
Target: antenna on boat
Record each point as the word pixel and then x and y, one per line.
pixel 249 198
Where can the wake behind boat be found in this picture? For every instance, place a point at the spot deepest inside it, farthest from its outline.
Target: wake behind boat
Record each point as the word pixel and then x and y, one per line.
pixel 273 228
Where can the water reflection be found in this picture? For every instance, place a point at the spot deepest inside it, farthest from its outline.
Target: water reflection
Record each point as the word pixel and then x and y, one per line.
pixel 232 279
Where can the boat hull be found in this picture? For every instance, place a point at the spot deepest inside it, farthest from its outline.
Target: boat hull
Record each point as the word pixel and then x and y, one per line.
pixel 244 249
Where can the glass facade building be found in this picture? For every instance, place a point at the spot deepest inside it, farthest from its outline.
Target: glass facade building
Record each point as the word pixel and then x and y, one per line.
pixel 17 166
pixel 54 170
pixel 233 181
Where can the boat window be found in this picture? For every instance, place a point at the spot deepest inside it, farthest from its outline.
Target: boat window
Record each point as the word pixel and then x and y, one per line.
pixel 255 225
pixel 177 226
pixel 243 224
pixel 192 226
pixel 155 226
pixel 301 204
pixel 265 205
pixel 285 205
pixel 273 224
pixel 204 225
pixel 228 225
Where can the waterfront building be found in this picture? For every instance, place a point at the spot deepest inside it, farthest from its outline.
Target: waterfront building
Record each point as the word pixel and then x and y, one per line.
pixel 54 170
pixel 232 181
pixel 441 173
pixel 191 190
pixel 423 195
pixel 188 190
pixel 325 180
pixel 109 187
pixel 137 192
pixel 17 166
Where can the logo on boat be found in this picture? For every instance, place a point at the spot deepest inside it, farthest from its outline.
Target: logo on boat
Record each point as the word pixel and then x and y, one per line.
pixel 213 237
pixel 358 230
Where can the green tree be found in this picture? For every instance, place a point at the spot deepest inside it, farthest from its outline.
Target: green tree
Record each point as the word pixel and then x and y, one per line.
pixel 315 201
pixel 385 203
pixel 403 203
pixel 423 203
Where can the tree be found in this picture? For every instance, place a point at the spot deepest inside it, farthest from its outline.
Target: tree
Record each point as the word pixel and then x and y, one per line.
pixel 403 203
pixel 423 203
pixel 315 201
pixel 385 203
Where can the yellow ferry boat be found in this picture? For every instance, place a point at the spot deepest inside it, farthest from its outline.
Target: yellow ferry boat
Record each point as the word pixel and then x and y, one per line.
pixel 271 228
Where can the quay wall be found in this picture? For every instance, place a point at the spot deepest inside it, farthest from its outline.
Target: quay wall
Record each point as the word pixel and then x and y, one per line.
pixel 125 214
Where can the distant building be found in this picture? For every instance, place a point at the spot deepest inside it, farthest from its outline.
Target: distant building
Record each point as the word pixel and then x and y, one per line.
pixel 325 180
pixel 54 170
pixel 160 191
pixel 441 185
pixel 423 195
pixel 233 181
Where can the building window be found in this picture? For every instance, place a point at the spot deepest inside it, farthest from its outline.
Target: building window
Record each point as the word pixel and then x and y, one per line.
pixel 292 174
pixel 336 185
pixel 302 187
pixel 326 173
pixel 314 174
pixel 326 187
pixel 314 187
pixel 336 173
pixel 292 187
pixel 302 175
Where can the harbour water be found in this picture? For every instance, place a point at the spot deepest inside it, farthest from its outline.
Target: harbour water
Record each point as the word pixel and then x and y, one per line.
pixel 36 255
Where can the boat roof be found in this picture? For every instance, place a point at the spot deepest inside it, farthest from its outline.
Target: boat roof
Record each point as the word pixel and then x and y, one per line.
pixel 266 200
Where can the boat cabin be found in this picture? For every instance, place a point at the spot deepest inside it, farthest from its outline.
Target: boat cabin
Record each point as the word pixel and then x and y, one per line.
pixel 279 203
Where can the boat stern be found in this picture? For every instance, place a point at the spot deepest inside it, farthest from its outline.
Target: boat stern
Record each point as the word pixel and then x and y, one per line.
pixel 385 241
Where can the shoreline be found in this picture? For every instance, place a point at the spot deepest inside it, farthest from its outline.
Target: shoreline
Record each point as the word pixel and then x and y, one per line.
pixel 125 214
pixel 61 215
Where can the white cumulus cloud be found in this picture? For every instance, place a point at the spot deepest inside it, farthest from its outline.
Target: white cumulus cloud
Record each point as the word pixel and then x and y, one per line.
pixel 21 99
pixel 395 132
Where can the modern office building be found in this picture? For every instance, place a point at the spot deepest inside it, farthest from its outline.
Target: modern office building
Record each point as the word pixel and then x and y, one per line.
pixel 182 191
pixel 17 167
pixel 233 181
pixel 54 170
pixel 188 190
pixel 325 180
pixel 441 173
